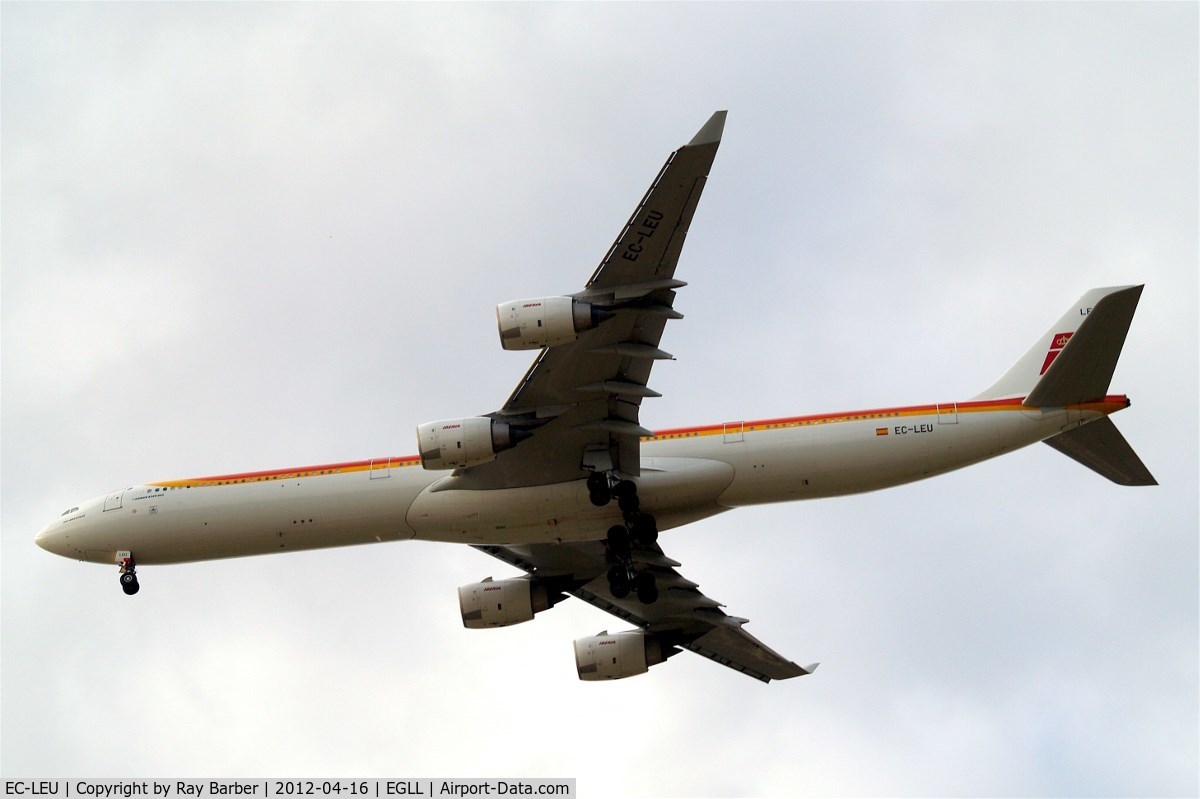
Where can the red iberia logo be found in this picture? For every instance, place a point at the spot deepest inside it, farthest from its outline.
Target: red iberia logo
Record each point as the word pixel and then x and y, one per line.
pixel 1056 346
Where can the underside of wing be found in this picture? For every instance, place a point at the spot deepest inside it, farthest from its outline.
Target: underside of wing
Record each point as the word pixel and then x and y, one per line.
pixel 681 617
pixel 577 407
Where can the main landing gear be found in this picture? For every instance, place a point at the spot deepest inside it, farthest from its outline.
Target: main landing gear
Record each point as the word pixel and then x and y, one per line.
pixel 129 581
pixel 638 529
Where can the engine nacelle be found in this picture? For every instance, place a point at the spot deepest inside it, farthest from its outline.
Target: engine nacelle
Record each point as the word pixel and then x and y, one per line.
pixel 545 321
pixel 616 656
pixel 500 603
pixel 452 443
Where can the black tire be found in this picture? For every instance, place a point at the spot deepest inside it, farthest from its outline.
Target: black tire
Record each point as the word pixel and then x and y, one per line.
pixel 618 582
pixel 599 499
pixel 644 528
pixel 129 584
pixel 618 538
pixel 624 488
pixel 647 588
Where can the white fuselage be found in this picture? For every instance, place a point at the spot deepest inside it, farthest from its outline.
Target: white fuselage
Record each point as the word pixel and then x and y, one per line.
pixel 686 474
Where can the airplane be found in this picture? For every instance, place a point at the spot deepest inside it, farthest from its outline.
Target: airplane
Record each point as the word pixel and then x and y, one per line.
pixel 564 483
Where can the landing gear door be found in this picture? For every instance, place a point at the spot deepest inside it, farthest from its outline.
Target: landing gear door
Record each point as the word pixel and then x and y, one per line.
pixel 113 500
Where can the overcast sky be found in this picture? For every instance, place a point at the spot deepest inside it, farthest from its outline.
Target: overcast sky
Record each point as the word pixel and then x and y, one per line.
pixel 245 236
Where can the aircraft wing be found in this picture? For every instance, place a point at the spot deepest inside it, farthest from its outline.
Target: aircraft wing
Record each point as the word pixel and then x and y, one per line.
pixel 580 400
pixel 682 616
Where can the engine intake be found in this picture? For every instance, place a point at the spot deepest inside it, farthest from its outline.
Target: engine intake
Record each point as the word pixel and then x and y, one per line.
pixel 545 321
pixel 617 656
pixel 500 603
pixel 451 443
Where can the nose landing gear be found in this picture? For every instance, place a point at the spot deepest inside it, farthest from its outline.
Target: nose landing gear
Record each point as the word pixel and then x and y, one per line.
pixel 129 580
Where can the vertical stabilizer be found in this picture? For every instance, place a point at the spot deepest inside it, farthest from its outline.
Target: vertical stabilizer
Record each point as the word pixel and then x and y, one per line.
pixel 1073 361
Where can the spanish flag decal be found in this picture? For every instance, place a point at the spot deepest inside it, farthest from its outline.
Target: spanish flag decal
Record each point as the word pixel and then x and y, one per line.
pixel 881 431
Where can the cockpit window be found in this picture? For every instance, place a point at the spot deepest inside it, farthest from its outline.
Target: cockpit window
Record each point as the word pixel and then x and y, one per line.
pixel 70 510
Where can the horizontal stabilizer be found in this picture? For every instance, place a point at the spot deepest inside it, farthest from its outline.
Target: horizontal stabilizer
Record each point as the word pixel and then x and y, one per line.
pixel 1101 447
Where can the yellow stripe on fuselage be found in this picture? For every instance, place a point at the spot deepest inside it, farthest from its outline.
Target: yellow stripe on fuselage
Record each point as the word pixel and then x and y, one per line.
pixel 1108 405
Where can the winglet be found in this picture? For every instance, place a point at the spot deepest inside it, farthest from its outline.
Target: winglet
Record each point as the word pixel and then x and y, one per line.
pixel 712 130
pixel 811 667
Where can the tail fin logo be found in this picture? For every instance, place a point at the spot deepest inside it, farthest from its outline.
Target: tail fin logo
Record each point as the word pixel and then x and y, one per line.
pixel 1056 346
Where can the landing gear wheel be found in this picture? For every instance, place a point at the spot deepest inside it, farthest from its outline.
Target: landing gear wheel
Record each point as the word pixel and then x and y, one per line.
pixel 129 583
pixel 618 541
pixel 638 530
pixel 598 490
pixel 627 497
pixel 644 528
pixel 618 582
pixel 647 588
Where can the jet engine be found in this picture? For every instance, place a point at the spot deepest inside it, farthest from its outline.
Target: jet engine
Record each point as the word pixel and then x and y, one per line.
pixel 545 321
pixel 620 655
pixel 500 603
pixel 452 443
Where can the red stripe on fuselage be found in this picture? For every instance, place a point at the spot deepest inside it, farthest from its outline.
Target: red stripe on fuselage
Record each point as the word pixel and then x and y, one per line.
pixel 1107 405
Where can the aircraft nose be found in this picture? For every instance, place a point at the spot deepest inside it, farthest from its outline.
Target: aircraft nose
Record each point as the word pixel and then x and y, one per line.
pixel 42 539
pixel 52 539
